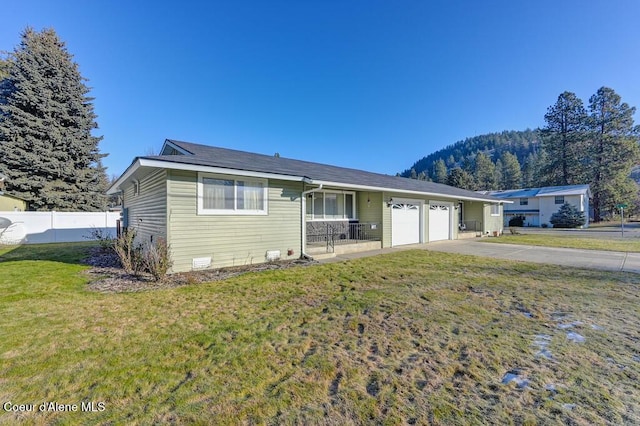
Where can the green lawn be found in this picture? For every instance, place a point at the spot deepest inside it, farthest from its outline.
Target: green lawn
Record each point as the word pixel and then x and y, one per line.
pixel 412 337
pixel 568 241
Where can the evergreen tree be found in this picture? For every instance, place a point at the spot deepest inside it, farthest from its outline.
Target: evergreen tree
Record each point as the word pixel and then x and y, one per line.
pixel 564 140
pixel 568 216
pixel 613 150
pixel 48 152
pixel 511 173
pixel 460 179
pixel 485 172
pixel 440 171
pixel 530 169
pixel 499 175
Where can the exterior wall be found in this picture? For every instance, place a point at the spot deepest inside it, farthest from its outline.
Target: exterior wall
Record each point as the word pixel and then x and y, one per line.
pixel 492 223
pixel 147 211
pixel 549 207
pixel 10 204
pixel 231 240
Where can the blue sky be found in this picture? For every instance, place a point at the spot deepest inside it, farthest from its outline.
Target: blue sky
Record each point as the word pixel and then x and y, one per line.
pixel 374 85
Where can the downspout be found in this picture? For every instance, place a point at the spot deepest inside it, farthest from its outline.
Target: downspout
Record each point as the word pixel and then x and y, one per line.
pixel 303 221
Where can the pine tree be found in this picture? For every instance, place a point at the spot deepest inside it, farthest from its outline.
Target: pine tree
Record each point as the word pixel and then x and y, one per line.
pixel 613 151
pixel 440 171
pixel 460 179
pixel 49 155
pixel 511 172
pixel 564 140
pixel 485 172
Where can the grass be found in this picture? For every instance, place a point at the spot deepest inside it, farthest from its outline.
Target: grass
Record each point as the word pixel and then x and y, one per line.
pixel 411 337
pixel 568 241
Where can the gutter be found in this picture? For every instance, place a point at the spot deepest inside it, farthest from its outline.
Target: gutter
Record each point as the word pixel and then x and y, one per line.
pixel 303 222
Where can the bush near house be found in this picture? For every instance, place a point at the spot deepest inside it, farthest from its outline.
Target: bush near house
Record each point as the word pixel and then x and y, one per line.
pixel 568 216
pixel 517 221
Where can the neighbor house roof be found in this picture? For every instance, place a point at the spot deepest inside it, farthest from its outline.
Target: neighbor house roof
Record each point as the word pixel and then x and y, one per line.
pixel 191 156
pixel 546 191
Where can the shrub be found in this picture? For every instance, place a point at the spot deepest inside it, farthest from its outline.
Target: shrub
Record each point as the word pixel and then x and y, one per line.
pixel 103 238
pixel 129 253
pixel 517 221
pixel 568 216
pixel 157 259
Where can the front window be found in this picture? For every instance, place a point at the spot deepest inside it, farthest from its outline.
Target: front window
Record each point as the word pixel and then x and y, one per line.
pixel 226 195
pixel 559 199
pixel 524 201
pixel 328 205
pixel 495 209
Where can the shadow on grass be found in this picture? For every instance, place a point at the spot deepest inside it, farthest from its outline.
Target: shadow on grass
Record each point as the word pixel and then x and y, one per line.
pixel 71 253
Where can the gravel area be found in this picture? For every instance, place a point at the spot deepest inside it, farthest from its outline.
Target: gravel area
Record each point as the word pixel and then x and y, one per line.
pixel 107 276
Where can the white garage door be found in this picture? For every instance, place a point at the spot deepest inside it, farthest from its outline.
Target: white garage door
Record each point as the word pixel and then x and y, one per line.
pixel 439 221
pixel 405 224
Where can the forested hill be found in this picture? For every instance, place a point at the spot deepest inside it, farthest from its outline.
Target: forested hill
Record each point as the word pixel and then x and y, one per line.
pixel 519 143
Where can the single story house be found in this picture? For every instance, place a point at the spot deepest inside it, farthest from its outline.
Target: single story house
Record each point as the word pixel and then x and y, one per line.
pixel 219 207
pixel 538 204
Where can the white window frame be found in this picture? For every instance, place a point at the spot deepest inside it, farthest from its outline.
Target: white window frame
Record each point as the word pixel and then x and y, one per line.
pixel 559 198
pixel 524 201
pixel 235 211
pixel 495 206
pixel 311 202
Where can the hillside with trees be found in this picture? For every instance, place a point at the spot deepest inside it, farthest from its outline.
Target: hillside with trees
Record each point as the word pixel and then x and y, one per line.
pixel 595 145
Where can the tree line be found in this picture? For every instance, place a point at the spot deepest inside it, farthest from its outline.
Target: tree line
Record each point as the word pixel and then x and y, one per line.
pixel 47 148
pixel 595 145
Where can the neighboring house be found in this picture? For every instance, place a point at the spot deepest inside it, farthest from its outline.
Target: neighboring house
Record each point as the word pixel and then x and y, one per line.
pixel 219 207
pixel 9 203
pixel 538 204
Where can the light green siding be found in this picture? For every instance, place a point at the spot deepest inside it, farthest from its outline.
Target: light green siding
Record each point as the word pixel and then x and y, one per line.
pixel 147 211
pixel 493 223
pixel 231 240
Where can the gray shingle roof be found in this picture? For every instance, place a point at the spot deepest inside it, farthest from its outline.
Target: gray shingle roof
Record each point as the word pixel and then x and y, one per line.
pixel 204 155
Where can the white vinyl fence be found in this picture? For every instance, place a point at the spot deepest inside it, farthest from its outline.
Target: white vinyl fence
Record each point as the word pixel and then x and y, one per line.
pixel 54 227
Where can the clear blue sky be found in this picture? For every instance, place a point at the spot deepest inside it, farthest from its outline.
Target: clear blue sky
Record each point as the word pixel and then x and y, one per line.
pixel 374 85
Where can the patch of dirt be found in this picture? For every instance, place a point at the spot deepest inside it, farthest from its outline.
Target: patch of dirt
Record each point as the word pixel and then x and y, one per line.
pixel 107 276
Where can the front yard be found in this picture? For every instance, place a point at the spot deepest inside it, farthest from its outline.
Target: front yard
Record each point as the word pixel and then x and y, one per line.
pixel 413 337
pixel 630 244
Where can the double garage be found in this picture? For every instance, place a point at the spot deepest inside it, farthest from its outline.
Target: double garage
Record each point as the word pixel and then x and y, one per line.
pixel 407 223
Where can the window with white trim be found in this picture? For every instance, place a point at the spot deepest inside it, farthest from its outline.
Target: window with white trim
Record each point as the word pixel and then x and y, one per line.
pixel 231 195
pixel 524 201
pixel 331 205
pixel 495 209
pixel 559 199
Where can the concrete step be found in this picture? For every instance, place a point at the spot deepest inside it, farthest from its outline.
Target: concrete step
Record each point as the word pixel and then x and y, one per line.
pixel 321 256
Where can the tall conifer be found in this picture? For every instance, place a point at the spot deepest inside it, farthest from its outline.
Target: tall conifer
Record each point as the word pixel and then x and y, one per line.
pixel 49 155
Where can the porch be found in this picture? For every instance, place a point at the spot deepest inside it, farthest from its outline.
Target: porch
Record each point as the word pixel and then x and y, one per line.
pixel 341 237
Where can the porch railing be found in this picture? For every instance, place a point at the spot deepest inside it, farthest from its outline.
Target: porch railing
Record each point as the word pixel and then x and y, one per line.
pixel 470 226
pixel 343 233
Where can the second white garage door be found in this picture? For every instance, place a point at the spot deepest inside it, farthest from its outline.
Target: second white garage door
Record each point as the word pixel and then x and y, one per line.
pixel 439 221
pixel 405 224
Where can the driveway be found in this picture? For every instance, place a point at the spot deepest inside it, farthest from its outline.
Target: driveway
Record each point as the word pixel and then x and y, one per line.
pixel 591 259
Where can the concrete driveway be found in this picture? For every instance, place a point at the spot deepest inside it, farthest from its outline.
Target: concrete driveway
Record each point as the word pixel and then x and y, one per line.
pixel 591 259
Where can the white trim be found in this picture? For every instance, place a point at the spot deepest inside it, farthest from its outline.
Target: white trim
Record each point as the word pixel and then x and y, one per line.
pixel 235 211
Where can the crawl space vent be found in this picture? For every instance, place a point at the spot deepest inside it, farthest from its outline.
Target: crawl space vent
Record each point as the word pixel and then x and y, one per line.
pixel 273 255
pixel 201 262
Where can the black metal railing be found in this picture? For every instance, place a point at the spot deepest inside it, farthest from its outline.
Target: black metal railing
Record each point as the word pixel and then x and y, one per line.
pixel 344 233
pixel 470 226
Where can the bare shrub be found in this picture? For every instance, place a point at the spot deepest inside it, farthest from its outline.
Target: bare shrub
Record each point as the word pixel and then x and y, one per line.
pixel 129 253
pixel 157 259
